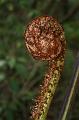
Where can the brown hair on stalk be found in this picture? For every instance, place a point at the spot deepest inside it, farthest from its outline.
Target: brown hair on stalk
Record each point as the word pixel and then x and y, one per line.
pixel 44 38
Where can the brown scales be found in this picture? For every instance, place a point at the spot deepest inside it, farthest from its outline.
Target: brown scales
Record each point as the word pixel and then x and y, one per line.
pixel 44 38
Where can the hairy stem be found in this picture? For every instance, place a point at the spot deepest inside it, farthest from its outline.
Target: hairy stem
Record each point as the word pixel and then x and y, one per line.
pixel 45 40
pixel 48 89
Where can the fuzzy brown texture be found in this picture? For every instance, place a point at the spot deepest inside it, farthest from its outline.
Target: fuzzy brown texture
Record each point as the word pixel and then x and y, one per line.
pixel 44 38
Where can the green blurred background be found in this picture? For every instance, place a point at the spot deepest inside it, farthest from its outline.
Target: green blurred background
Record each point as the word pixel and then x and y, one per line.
pixel 20 74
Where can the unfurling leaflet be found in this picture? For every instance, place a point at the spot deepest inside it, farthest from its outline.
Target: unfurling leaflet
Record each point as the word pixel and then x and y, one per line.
pixel 44 39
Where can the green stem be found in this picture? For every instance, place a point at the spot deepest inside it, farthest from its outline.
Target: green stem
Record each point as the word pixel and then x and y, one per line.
pixel 54 82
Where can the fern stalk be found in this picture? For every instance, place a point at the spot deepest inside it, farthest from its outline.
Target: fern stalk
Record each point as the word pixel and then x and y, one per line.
pixel 44 39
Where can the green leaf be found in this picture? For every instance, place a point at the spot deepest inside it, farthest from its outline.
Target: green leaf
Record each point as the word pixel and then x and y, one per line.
pixel 10 115
pixel 2 63
pixel 11 61
pixel 14 85
pixel 2 76
pixel 68 67
pixel 21 70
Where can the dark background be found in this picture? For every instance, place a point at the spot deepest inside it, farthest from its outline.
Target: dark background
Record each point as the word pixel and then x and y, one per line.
pixel 20 74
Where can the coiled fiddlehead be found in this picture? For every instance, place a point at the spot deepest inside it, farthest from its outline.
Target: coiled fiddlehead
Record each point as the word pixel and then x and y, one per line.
pixel 44 38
